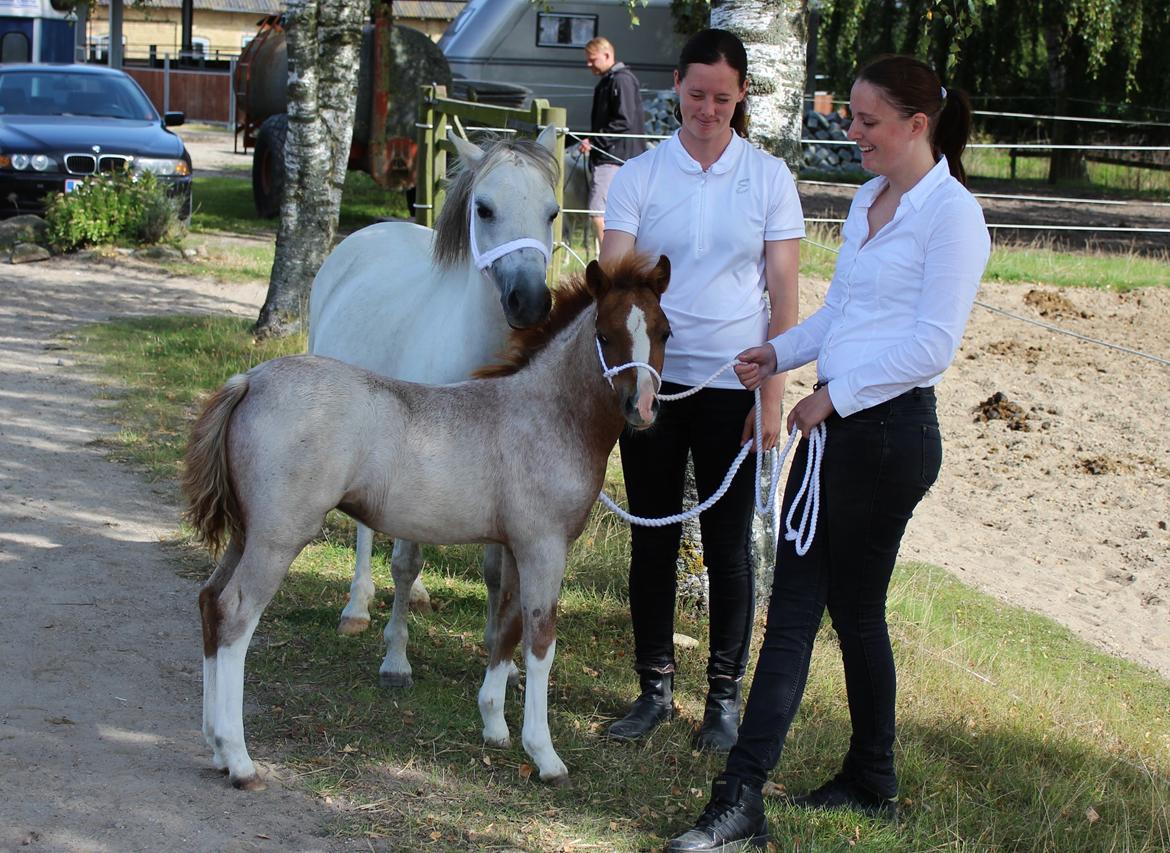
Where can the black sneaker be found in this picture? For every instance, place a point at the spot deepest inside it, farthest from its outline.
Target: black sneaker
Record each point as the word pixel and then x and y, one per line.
pixel 841 792
pixel 733 820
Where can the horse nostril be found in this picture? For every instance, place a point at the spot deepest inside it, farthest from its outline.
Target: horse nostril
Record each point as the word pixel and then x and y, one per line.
pixel 513 301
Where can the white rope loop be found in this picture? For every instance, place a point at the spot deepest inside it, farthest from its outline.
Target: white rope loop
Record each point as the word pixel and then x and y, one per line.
pixel 810 487
pixel 485 259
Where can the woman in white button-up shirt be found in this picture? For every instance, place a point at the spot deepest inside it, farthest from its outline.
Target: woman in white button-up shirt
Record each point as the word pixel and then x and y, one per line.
pixel 914 249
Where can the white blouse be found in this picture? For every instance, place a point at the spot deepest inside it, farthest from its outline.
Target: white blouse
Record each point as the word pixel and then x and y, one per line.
pixel 898 304
pixel 712 225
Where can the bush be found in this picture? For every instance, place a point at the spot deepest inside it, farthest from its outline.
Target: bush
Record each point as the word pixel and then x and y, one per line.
pixel 113 208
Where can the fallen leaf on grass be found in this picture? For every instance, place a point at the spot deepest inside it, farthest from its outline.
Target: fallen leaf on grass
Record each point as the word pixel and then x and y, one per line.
pixel 1091 814
pixel 525 771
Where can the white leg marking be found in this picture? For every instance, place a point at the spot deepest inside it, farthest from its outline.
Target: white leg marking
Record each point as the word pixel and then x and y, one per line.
pixel 355 618
pixel 535 735
pixel 491 705
pixel 229 705
pixel 209 712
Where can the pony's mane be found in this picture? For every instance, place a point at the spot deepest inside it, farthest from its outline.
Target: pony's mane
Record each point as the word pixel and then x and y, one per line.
pixel 570 299
pixel 451 246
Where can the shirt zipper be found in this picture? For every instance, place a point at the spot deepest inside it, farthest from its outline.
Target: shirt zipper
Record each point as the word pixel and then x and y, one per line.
pixel 699 247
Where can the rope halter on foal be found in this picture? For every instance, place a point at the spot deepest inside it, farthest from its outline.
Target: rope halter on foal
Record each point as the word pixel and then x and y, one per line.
pixel 809 492
pixel 485 259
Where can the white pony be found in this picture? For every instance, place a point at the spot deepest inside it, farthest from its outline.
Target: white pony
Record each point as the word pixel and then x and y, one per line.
pixel 432 306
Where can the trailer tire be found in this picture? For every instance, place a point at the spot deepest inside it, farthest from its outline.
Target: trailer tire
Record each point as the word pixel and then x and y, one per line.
pixel 268 166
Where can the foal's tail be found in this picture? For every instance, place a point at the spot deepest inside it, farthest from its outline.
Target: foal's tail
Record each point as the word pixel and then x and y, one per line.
pixel 212 507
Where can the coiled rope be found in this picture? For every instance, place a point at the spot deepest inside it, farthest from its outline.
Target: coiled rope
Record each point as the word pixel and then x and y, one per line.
pixel 807 496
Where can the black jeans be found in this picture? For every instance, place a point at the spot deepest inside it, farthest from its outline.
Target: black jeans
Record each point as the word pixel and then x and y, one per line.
pixel 709 424
pixel 878 464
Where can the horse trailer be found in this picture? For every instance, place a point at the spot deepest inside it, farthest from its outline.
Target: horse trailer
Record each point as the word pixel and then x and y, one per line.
pixel 541 47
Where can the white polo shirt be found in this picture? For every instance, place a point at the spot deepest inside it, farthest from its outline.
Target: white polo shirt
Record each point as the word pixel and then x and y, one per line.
pixel 899 302
pixel 712 225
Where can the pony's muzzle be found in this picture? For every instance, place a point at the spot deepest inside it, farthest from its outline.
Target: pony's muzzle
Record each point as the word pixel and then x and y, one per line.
pixel 640 410
pixel 524 293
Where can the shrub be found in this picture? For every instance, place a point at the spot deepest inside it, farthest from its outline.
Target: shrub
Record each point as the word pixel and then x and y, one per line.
pixel 112 208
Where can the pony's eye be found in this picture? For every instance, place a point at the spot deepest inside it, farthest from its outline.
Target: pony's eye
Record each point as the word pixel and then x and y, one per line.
pixel 553 216
pixel 483 211
pixel 602 339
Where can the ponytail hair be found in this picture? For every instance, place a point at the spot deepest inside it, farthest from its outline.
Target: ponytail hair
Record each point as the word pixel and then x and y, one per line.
pixel 709 47
pixel 911 86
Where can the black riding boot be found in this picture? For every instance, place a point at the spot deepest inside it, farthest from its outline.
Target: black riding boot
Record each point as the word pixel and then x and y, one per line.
pixel 720 728
pixel 733 819
pixel 654 705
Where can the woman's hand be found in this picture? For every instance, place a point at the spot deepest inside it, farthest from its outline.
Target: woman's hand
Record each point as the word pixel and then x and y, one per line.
pixel 755 365
pixel 811 411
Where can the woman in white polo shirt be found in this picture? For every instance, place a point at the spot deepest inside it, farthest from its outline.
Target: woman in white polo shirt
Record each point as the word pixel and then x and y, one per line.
pixel 728 217
pixel 913 252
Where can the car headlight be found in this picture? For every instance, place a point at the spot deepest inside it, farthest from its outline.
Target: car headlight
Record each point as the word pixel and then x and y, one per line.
pixel 21 162
pixel 162 166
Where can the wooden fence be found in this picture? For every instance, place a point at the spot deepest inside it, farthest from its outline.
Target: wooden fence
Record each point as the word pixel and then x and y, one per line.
pixel 202 95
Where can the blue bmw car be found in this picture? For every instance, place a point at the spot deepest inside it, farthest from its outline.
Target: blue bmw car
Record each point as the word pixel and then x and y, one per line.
pixel 62 123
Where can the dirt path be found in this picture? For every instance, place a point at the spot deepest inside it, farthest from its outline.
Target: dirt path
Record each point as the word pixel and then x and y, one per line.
pixel 100 747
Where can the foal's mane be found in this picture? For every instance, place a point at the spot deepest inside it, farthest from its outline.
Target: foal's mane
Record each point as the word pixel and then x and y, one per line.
pixel 631 272
pixel 452 246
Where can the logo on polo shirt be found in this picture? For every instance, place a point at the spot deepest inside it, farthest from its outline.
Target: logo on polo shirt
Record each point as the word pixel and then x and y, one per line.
pixel 742 185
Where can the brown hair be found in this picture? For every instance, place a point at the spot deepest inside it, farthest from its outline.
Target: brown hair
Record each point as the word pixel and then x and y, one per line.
pixel 912 86
pixel 708 47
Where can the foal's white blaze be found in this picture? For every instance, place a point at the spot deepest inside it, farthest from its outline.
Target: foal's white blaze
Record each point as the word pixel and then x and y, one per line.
pixel 535 734
pixel 636 324
pixel 228 725
pixel 491 705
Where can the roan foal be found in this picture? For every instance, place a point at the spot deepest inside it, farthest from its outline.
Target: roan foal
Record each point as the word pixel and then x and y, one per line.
pixel 516 459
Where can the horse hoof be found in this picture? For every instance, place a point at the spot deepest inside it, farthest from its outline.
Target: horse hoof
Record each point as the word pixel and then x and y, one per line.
pixel 421 606
pixel 250 783
pixel 498 742
pixel 561 780
pixel 351 626
pixel 395 680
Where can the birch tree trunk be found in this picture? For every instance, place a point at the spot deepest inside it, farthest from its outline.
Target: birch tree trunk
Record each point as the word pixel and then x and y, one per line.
pixel 324 44
pixel 773 31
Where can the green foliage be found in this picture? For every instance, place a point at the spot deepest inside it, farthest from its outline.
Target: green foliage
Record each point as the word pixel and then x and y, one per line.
pixel 111 208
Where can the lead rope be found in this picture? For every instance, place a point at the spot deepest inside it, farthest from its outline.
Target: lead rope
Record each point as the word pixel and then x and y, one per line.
pixel 809 493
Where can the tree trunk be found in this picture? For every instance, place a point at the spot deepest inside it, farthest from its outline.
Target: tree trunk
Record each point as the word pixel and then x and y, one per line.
pixel 324 44
pixel 773 31
pixel 1065 164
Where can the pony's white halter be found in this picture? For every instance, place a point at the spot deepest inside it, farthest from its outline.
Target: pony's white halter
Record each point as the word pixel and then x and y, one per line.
pixel 801 536
pixel 485 259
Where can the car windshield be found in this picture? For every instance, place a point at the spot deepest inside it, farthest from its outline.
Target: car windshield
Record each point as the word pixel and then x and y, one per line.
pixel 55 93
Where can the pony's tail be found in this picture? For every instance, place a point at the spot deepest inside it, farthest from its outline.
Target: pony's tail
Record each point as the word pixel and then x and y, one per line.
pixel 212 507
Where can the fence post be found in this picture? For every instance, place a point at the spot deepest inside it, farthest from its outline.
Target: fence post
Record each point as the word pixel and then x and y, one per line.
pixel 166 82
pixel 424 189
pixel 231 116
pixel 558 117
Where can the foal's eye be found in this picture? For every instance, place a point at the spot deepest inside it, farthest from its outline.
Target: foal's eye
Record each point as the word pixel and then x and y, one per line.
pixel 483 211
pixel 666 336
pixel 602 339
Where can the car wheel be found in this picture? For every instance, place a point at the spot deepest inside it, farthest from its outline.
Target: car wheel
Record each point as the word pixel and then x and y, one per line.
pixel 268 166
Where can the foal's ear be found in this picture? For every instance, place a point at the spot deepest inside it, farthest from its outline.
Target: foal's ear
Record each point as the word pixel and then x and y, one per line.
pixel 596 280
pixel 661 274
pixel 468 151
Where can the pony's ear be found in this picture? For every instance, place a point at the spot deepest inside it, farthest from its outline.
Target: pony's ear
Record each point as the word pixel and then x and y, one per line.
pixel 596 280
pixel 468 151
pixel 661 274
pixel 547 137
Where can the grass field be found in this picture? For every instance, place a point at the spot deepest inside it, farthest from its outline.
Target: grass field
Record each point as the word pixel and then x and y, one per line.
pixel 1013 735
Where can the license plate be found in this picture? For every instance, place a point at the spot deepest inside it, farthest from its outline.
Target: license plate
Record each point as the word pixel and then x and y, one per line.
pixel 71 184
